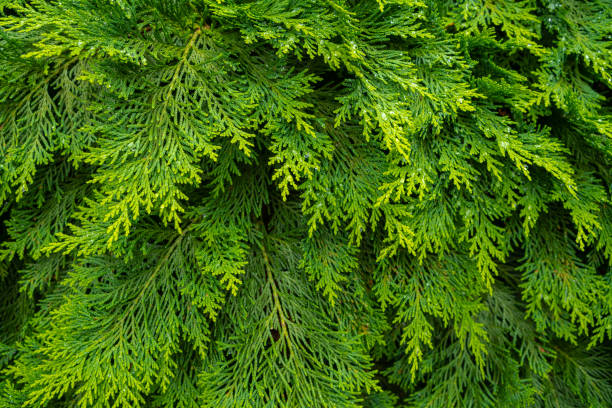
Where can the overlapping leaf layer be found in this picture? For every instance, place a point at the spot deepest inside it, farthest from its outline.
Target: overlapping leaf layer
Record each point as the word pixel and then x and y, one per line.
pixel 305 203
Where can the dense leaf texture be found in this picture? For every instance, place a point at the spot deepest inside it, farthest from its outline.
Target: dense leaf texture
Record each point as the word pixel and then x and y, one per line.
pixel 305 203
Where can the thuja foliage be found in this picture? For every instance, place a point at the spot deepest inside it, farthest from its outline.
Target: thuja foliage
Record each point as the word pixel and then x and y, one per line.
pixel 305 203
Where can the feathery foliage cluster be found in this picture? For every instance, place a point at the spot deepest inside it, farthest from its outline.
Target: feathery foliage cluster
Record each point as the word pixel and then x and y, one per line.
pixel 305 203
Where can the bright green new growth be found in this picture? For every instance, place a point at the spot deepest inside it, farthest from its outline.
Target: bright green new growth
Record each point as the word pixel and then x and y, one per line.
pixel 305 203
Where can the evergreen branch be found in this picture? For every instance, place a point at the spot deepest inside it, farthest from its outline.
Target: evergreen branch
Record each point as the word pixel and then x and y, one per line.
pixel 153 276
pixel 181 63
pixel 40 84
pixel 270 278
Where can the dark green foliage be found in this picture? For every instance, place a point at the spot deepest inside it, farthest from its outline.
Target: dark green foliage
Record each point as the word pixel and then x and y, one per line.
pixel 305 203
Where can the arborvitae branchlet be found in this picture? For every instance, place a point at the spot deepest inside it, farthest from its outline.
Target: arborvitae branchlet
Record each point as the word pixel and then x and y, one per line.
pixel 305 203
